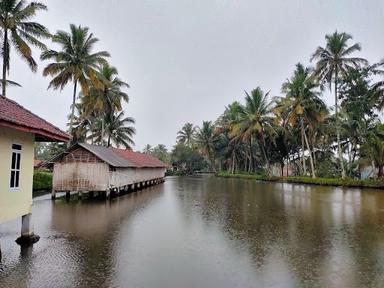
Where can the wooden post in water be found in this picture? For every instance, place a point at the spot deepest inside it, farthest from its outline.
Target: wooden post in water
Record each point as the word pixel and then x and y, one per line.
pixel 53 195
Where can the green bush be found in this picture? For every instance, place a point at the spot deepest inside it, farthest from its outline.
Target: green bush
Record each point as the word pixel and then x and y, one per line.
pixel 348 182
pixel 42 180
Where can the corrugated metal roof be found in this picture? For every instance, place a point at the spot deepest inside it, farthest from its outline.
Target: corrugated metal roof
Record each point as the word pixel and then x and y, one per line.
pixel 123 158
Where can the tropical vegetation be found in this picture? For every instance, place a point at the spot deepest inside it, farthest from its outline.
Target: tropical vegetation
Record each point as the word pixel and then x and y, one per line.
pixel 296 134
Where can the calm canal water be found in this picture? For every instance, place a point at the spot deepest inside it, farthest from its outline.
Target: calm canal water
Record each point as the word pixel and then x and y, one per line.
pixel 204 232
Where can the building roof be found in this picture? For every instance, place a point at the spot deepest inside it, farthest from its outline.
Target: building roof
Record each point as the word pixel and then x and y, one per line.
pixel 15 116
pixel 37 163
pixel 123 158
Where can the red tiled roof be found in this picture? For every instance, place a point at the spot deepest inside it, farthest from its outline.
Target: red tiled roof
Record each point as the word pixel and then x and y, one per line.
pixel 138 159
pixel 17 117
pixel 37 162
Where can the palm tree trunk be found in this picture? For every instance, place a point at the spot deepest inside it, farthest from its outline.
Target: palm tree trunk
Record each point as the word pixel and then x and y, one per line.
pixel 265 155
pixel 380 173
pixel 109 141
pixel 5 57
pixel 73 108
pixel 233 162
pixel 303 150
pixel 338 128
pixel 250 155
pixel 309 149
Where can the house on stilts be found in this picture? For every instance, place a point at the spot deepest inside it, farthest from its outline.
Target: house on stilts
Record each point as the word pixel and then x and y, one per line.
pixel 19 130
pixel 85 168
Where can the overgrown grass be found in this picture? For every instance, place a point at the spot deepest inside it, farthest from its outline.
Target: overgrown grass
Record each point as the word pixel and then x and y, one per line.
pixel 42 180
pixel 366 183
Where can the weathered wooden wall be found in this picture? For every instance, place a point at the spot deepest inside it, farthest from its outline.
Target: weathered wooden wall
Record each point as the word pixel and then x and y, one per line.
pixel 80 170
pixel 126 176
pixel 80 176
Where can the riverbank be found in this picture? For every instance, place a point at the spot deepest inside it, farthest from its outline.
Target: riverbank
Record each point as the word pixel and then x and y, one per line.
pixel 348 182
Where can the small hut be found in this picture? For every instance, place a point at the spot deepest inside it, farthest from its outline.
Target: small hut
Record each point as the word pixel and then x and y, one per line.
pixel 91 168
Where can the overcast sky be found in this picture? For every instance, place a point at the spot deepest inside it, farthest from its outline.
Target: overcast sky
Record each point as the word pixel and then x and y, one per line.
pixel 186 60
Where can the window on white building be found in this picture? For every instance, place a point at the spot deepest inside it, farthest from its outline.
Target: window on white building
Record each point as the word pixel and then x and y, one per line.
pixel 15 166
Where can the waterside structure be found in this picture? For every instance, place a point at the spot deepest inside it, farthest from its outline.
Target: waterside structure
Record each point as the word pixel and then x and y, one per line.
pixel 90 169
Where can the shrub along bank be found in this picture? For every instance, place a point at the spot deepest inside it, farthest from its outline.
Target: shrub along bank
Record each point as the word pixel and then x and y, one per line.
pixel 348 182
pixel 42 180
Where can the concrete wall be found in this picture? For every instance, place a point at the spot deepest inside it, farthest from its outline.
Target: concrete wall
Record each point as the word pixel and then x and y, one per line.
pixel 126 176
pixel 80 176
pixel 16 202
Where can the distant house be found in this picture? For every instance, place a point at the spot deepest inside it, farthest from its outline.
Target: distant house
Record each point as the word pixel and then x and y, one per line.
pixel 92 168
pixel 19 129
pixel 37 163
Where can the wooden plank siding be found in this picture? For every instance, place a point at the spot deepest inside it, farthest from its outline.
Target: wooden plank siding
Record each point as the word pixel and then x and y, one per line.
pixel 127 176
pixel 81 170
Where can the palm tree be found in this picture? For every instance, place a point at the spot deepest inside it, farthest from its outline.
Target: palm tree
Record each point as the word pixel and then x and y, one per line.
pixel 147 149
pixel 75 62
pixel 333 61
pixel 109 98
pixel 18 30
pixel 226 124
pixel 304 106
pixel 256 121
pixel 205 140
pixel 186 134
pixel 118 130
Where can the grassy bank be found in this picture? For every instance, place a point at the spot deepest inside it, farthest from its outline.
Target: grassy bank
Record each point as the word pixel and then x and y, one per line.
pixel 42 180
pixel 366 183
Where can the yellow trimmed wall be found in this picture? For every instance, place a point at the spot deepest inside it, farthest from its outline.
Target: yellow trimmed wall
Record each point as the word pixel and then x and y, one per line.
pixel 15 203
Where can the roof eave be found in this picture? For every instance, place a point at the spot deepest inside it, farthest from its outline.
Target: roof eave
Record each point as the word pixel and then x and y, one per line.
pixel 41 135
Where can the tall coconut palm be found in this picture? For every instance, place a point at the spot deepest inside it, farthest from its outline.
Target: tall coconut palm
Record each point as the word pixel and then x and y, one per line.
pixel 226 124
pixel 256 121
pixel 205 140
pixel 186 134
pixel 118 130
pixel 75 62
pixel 18 30
pixel 333 62
pixel 110 97
pixel 304 105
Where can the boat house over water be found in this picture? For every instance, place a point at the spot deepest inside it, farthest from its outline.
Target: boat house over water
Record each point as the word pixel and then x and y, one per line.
pixel 86 168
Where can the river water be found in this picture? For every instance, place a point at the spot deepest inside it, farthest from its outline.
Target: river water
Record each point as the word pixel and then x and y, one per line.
pixel 204 232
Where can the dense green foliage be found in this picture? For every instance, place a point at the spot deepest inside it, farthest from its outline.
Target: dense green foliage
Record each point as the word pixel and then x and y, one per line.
pixel 42 180
pixel 296 133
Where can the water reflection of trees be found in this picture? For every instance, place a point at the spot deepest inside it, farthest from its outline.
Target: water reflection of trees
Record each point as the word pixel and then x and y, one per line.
pixel 328 237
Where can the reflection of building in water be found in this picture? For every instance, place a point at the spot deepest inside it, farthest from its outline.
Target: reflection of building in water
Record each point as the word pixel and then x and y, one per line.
pixel 19 130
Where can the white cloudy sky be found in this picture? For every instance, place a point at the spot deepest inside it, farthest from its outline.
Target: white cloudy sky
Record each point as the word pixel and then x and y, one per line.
pixel 186 60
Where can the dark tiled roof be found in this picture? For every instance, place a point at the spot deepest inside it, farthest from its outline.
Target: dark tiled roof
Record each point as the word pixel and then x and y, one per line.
pixel 16 116
pixel 123 158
